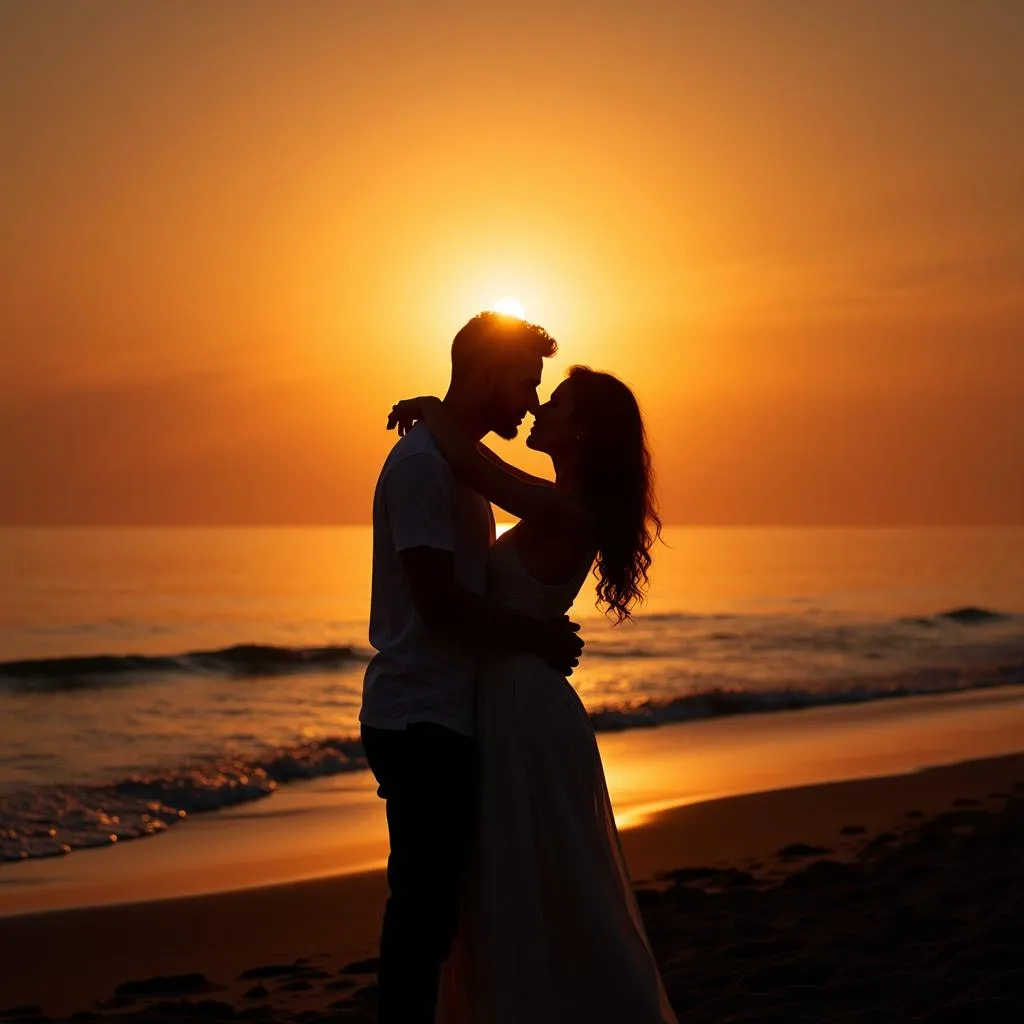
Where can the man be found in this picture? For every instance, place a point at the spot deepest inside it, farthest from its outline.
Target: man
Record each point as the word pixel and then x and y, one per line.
pixel 429 622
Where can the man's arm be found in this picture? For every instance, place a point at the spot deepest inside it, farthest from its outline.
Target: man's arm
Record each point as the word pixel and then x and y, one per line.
pixel 419 495
pixel 472 620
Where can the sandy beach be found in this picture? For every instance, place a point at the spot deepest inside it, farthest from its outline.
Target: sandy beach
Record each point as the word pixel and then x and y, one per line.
pixel 797 902
pixel 715 312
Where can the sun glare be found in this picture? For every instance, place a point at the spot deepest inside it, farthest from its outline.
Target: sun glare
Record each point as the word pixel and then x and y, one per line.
pixel 510 307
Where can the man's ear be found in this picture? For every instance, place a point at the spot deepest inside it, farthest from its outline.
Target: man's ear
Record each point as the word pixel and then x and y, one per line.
pixel 482 379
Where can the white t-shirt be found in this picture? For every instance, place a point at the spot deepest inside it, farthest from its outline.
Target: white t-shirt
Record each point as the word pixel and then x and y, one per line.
pixel 417 674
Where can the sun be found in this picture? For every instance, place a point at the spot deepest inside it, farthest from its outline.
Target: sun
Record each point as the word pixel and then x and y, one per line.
pixel 509 307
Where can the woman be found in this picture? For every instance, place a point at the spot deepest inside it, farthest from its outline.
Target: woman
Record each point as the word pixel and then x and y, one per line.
pixel 551 933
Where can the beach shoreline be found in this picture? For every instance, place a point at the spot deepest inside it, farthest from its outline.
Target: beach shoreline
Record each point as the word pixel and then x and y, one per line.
pixel 334 825
pixel 66 960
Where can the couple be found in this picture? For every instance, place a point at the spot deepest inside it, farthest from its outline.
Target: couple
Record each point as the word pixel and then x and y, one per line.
pixel 510 900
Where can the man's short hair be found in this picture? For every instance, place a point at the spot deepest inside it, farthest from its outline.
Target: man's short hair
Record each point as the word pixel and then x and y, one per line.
pixel 490 337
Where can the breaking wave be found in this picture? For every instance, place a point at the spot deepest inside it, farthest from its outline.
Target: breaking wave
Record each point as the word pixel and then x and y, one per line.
pixel 241 660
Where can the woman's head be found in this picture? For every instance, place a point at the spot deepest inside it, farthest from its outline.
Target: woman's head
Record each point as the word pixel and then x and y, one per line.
pixel 593 424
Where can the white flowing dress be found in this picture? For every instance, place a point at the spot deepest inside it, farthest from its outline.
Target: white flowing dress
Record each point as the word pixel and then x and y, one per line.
pixel 550 932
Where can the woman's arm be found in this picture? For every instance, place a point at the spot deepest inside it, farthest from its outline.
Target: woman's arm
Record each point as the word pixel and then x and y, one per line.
pixel 519 474
pixel 530 498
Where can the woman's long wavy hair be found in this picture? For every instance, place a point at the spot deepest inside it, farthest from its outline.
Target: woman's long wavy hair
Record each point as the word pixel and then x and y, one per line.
pixel 618 486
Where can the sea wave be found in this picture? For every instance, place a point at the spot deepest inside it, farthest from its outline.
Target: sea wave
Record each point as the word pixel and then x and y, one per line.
pixel 52 820
pixel 682 635
pixel 254 660
pixel 241 660
pixel 720 702
pixel 972 616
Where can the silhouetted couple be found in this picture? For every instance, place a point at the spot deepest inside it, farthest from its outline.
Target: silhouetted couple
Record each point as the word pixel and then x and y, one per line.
pixel 510 900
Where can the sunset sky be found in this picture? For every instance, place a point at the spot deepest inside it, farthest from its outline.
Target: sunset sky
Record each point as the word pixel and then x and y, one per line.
pixel 235 232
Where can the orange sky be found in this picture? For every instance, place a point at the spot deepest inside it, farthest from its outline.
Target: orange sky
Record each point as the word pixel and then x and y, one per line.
pixel 234 233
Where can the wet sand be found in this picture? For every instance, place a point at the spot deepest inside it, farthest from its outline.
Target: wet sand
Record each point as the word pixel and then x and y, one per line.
pixel 895 898
pixel 335 825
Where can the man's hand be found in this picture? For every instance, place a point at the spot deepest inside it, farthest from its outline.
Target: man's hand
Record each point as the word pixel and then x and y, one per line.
pixel 559 644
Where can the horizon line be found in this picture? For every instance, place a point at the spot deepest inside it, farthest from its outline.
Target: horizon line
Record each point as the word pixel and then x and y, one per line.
pixel 811 525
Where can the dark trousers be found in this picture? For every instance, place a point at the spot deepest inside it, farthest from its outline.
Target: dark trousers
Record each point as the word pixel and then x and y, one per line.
pixel 427 775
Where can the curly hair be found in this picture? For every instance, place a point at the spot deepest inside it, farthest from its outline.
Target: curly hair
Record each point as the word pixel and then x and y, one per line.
pixel 490 336
pixel 618 487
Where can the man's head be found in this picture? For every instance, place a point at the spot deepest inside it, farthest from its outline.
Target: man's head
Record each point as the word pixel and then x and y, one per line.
pixel 497 362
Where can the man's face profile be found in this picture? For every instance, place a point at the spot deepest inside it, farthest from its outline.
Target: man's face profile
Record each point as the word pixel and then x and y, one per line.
pixel 513 393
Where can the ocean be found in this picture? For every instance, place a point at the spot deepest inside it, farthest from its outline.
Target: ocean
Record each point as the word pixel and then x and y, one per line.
pixel 149 674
